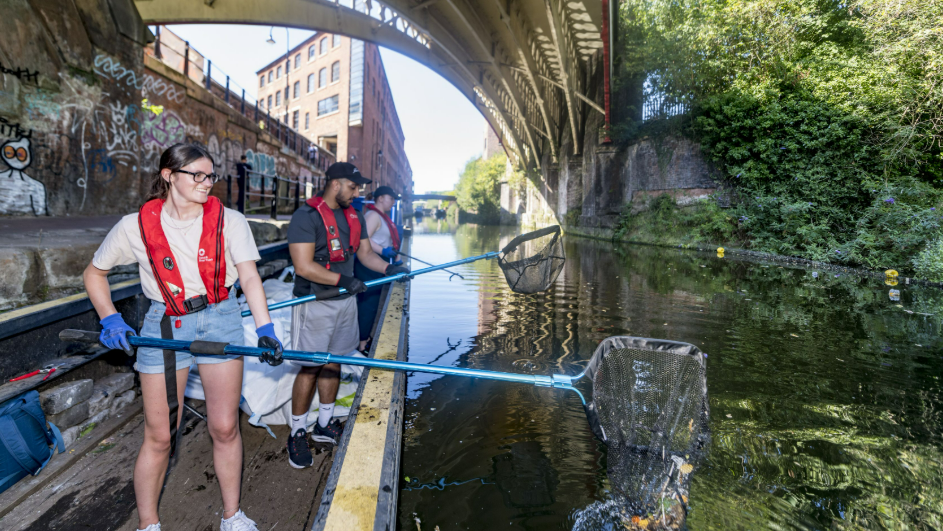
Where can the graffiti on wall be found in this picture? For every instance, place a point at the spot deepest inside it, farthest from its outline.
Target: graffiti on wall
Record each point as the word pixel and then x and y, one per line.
pixel 23 74
pixel 261 162
pixel 111 68
pixel 41 106
pixel 225 152
pixel 11 129
pixel 79 138
pixel 20 193
pixel 114 137
pixel 164 129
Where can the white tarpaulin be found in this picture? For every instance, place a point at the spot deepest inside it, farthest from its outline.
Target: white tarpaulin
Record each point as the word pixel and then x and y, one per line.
pixel 266 390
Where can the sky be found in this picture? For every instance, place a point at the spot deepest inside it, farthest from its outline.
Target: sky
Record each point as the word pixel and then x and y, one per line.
pixel 443 129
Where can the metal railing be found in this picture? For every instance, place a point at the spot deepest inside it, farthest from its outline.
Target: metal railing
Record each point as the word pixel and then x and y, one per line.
pixel 658 105
pixel 172 51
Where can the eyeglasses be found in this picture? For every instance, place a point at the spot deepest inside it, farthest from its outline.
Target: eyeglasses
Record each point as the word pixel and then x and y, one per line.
pixel 200 176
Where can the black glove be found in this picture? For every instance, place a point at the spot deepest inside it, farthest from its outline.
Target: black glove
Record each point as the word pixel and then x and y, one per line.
pixel 274 355
pixel 394 269
pixel 353 285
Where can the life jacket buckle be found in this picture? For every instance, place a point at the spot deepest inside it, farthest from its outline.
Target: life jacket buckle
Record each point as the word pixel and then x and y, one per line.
pixel 196 304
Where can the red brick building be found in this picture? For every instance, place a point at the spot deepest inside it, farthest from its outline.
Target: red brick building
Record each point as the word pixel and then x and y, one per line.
pixel 334 90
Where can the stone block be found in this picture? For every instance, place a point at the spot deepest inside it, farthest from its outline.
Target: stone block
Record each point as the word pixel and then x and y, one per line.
pixel 263 232
pixel 95 420
pixel 266 271
pixel 63 397
pixel 19 274
pixel 116 383
pixel 70 417
pixel 100 400
pixel 70 435
pixel 122 400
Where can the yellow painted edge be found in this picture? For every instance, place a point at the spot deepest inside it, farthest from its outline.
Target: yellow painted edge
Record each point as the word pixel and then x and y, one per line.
pixel 354 505
pixel 26 310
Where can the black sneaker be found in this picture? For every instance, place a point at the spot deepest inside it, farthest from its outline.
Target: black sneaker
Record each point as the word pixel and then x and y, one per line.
pixel 299 455
pixel 330 433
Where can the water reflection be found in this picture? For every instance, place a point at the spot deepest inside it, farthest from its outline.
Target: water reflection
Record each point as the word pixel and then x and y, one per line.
pixel 824 394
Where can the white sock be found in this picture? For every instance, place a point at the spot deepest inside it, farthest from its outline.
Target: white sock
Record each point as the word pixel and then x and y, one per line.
pixel 325 412
pixel 299 422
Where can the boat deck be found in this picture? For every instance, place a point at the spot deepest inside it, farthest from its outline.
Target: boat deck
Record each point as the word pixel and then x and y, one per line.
pixel 96 492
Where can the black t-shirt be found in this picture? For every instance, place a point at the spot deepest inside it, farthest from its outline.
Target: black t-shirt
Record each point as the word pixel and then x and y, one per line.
pixel 306 226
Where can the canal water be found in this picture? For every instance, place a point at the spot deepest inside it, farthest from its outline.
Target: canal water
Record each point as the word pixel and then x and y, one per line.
pixel 825 396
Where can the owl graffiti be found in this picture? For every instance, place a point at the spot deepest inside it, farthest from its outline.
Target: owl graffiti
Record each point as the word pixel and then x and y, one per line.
pixel 19 193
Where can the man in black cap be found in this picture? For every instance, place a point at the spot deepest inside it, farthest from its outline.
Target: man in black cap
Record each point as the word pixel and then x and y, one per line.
pixel 385 240
pixel 324 236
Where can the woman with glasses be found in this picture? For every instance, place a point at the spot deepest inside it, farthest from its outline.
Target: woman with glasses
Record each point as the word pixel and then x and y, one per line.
pixel 189 250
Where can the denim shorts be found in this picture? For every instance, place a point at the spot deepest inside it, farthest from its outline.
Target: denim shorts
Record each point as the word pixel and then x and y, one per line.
pixel 218 322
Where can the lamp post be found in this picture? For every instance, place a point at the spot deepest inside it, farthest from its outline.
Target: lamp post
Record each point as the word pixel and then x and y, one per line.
pixel 271 40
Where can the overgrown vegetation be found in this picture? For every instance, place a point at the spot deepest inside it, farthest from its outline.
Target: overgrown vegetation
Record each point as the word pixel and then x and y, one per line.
pixel 478 189
pixel 667 223
pixel 825 118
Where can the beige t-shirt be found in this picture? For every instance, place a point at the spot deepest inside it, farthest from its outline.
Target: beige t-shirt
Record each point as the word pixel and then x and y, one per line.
pixel 124 246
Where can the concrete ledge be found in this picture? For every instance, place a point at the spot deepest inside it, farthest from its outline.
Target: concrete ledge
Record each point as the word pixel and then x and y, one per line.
pixel 44 260
pixel 363 487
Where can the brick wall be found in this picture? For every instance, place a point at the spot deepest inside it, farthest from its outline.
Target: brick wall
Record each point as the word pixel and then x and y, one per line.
pixel 92 114
pixel 358 141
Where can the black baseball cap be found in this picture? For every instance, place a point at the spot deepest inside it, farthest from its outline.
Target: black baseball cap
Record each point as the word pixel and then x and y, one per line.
pixel 345 170
pixel 385 190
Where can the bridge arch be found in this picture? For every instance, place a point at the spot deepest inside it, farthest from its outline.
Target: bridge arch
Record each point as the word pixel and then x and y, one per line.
pixel 522 63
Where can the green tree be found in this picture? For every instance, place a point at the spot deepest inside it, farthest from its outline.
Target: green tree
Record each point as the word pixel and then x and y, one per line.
pixel 824 117
pixel 478 189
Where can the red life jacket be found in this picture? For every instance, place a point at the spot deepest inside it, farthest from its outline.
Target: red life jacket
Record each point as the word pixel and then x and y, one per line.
pixel 334 247
pixel 394 233
pixel 211 260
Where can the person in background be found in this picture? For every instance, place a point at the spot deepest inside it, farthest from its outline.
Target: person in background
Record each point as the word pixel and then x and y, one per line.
pixel 384 239
pixel 243 164
pixel 324 235
pixel 189 250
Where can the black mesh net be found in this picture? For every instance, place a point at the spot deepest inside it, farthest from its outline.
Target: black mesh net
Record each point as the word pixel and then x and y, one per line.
pixel 532 261
pixel 650 408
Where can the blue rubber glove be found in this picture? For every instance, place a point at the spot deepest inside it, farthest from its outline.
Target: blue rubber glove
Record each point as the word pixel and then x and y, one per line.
pixel 389 253
pixel 268 340
pixel 115 333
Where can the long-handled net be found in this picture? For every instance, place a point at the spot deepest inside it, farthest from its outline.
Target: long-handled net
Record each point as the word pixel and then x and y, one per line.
pixel 650 408
pixel 532 261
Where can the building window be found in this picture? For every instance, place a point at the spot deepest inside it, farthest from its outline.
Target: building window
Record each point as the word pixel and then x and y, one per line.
pixel 262 81
pixel 269 102
pixel 269 76
pixel 310 82
pixel 322 78
pixel 278 98
pixel 294 120
pixel 324 46
pixel 278 72
pixel 297 89
pixel 336 71
pixel 286 101
pixel 297 61
pixel 307 120
pixel 336 41
pixel 328 105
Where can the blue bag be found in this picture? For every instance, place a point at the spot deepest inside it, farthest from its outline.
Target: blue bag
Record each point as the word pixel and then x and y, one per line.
pixel 24 439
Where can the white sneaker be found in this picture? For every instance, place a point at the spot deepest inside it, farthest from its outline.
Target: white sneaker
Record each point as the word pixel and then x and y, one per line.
pixel 238 522
pixel 152 527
